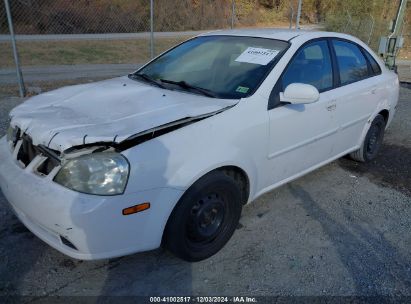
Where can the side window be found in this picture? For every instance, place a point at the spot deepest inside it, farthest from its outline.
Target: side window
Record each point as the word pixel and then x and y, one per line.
pixel 311 65
pixel 376 69
pixel 351 62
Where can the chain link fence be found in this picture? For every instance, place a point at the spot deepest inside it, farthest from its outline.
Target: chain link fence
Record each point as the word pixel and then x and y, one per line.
pixel 60 32
pixel 92 39
pixel 97 39
pixel 367 20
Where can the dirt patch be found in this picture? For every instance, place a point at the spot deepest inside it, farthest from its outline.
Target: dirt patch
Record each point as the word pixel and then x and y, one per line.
pixel 391 168
pixel 66 263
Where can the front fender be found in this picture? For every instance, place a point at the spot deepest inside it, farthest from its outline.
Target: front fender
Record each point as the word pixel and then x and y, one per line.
pixel 179 158
pixel 193 169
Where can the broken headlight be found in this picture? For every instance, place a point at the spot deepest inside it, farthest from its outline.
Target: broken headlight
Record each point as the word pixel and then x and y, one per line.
pixel 102 173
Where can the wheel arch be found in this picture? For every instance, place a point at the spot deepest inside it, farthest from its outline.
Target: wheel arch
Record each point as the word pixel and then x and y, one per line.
pixel 240 177
pixel 386 114
pixel 238 174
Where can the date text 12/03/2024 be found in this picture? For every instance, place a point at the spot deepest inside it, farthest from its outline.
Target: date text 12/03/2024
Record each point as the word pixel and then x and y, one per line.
pixel 199 299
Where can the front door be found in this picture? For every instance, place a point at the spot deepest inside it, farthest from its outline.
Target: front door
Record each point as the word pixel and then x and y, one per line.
pixel 302 136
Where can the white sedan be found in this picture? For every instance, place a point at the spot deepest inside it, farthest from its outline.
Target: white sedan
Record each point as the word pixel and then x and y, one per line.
pixel 170 154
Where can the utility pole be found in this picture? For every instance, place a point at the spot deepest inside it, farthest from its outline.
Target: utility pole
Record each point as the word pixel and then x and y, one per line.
pixel 232 13
pixel 390 46
pixel 22 89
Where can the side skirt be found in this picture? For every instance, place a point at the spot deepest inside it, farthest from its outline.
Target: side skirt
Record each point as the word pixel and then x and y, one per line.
pixel 289 179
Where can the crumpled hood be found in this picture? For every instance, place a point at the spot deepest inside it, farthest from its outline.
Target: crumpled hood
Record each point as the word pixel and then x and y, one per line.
pixel 106 111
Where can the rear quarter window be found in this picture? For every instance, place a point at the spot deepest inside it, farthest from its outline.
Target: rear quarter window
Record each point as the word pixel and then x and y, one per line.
pixel 376 69
pixel 351 62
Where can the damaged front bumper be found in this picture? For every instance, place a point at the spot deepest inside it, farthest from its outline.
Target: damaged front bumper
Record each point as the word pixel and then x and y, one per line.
pixel 79 225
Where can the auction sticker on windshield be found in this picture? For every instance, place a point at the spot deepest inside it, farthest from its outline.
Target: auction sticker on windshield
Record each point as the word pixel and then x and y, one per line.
pixel 257 55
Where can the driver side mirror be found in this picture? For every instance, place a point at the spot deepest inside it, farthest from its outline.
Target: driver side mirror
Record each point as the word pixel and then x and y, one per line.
pixel 300 93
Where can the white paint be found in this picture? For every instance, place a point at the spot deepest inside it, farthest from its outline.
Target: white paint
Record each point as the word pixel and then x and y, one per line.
pixel 272 147
pixel 106 111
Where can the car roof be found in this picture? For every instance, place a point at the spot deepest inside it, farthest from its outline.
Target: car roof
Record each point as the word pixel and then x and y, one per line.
pixel 286 34
pixel 274 33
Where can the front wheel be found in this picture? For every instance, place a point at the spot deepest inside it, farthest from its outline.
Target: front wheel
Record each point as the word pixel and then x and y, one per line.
pixel 205 218
pixel 372 141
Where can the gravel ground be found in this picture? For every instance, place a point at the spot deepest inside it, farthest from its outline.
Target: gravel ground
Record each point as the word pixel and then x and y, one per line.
pixel 342 230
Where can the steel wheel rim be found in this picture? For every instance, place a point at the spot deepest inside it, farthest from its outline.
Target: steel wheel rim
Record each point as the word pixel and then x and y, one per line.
pixel 206 219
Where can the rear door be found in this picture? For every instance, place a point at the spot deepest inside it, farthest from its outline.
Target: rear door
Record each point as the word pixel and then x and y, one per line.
pixel 358 93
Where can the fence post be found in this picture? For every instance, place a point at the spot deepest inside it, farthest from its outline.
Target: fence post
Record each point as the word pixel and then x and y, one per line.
pixel 22 89
pixel 232 13
pixel 152 29
pixel 297 23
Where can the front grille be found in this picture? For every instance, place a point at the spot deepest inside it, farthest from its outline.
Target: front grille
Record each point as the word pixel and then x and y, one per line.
pixel 47 165
pixel 27 152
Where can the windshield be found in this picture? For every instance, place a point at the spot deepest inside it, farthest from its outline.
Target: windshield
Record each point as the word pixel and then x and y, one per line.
pixel 221 66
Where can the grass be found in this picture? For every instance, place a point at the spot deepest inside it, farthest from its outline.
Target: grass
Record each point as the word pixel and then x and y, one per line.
pixel 93 52
pixel 13 89
pixel 83 52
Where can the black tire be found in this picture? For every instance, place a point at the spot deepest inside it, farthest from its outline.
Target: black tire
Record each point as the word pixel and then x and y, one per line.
pixel 372 141
pixel 205 218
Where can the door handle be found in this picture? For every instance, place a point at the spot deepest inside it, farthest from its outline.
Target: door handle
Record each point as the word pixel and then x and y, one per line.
pixel 331 107
pixel 373 91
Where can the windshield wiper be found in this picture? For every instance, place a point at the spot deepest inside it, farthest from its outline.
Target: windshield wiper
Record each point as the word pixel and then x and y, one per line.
pixel 186 85
pixel 147 79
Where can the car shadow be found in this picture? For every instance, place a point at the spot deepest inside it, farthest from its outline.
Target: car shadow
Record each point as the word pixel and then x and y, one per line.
pixel 19 252
pixel 373 263
pixel 155 273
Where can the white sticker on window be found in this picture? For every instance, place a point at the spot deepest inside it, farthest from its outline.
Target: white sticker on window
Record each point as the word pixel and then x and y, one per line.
pixel 257 55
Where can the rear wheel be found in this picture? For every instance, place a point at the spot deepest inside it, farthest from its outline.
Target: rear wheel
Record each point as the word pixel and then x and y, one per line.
pixel 205 218
pixel 372 141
